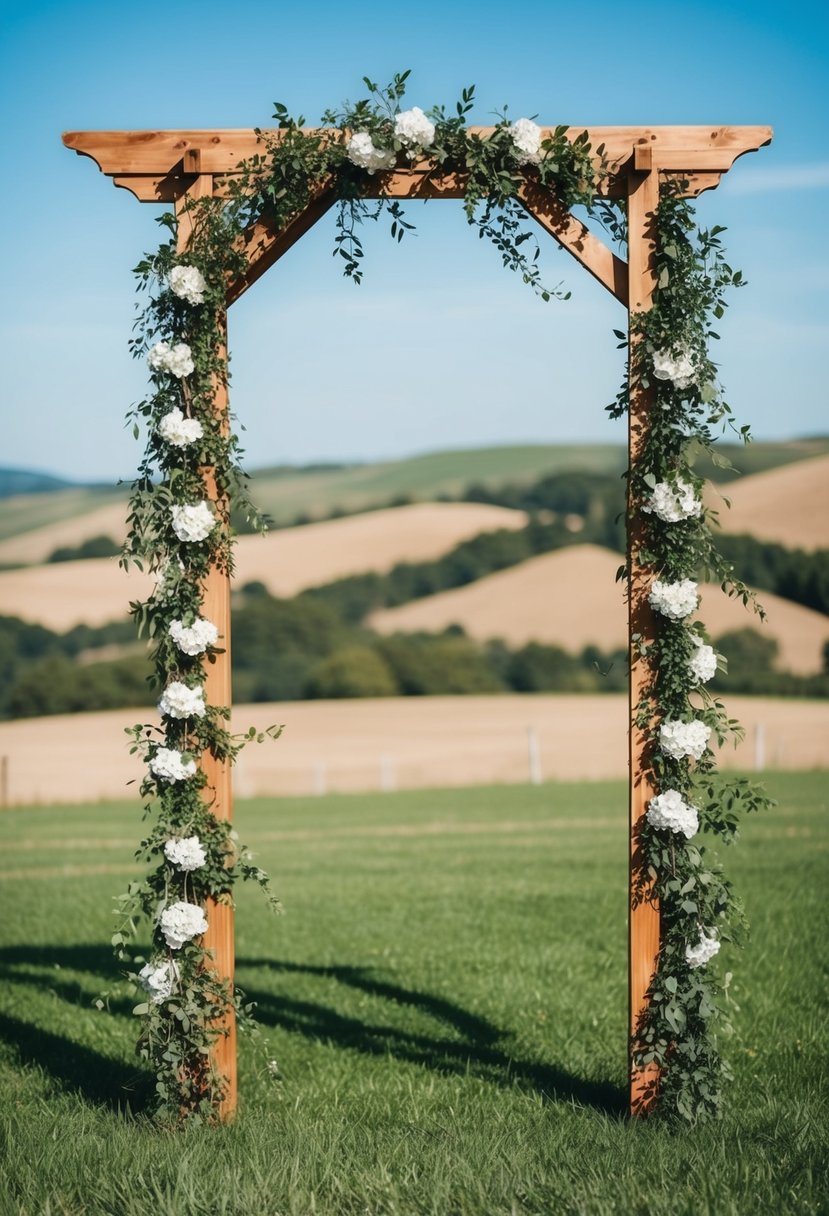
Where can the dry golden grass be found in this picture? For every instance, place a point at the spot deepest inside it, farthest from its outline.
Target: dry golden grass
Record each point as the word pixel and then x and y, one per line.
pixel 569 598
pixel 789 505
pixel 287 561
pixel 39 544
pixel 405 742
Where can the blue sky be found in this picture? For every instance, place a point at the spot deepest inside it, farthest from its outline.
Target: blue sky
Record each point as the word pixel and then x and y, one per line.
pixel 440 346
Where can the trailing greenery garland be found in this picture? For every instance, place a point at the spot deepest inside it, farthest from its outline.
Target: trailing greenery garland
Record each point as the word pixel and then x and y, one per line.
pixel 190 479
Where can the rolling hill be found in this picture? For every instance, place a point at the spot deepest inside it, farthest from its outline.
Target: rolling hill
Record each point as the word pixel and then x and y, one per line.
pixel 97 591
pixel 569 598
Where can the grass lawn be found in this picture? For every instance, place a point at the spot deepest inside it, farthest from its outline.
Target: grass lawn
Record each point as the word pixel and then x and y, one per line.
pixel 445 997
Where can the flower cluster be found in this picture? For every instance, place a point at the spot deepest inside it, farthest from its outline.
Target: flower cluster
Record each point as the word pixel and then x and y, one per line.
pixel 683 740
pixel 193 522
pixel 364 153
pixel 679 367
pixel 179 431
pixel 526 138
pixel 674 600
pixel 188 854
pixel 176 360
pixel 158 980
pixel 703 663
pixel 673 501
pixel 196 638
pixel 671 811
pixel 188 283
pixel 170 765
pixel 414 129
pixel 179 700
pixel 702 951
pixel 181 922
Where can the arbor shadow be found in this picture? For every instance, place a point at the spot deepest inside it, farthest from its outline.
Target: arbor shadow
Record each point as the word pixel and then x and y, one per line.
pixel 472 1046
pixel 98 1078
pixel 480 1050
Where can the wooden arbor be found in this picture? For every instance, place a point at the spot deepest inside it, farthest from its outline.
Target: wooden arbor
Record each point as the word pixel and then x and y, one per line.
pixel 174 166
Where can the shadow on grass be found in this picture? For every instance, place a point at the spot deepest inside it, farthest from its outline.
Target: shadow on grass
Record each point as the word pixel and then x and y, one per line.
pixel 478 1047
pixel 471 1045
pixel 74 1066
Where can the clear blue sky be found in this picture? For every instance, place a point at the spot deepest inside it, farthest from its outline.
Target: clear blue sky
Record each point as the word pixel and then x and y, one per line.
pixel 440 346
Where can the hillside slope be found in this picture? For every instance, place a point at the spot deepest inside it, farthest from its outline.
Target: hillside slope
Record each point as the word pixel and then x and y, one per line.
pixel 288 561
pixel 569 598
pixel 789 505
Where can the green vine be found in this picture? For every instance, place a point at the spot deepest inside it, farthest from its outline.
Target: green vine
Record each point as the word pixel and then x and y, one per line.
pixel 190 479
pixel 687 1010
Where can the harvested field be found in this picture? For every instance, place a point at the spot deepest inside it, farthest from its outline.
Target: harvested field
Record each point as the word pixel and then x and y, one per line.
pixel 789 505
pixel 287 561
pixel 404 743
pixel 569 598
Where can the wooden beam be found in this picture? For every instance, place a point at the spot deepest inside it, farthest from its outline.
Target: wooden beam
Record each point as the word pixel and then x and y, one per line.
pixel 600 261
pixel 264 245
pixel 142 161
pixel 644 918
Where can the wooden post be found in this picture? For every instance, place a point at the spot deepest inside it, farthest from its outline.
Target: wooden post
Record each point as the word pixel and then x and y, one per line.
pixel 643 197
pixel 218 791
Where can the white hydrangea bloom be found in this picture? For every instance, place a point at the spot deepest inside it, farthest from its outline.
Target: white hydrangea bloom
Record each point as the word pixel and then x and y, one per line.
pixel 679 369
pixel 193 639
pixel 671 811
pixel 157 980
pixel 180 701
pixel 526 137
pixel 179 431
pixel 170 765
pixel 181 922
pixel 363 153
pixel 673 501
pixel 703 663
pixel 414 129
pixel 177 360
pixel 674 600
pixel 680 739
pixel 704 950
pixel 188 283
pixel 193 522
pixel 187 854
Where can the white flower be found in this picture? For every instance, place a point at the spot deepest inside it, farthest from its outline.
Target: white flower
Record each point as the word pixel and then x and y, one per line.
pixel 362 152
pixel 703 951
pixel 177 360
pixel 671 811
pixel 526 137
pixel 193 639
pixel 157 980
pixel 673 501
pixel 169 765
pixel 703 663
pixel 674 600
pixel 679 739
pixel 181 922
pixel 187 854
pixel 178 430
pixel 414 129
pixel 180 701
pixel 193 521
pixel 188 283
pixel 679 368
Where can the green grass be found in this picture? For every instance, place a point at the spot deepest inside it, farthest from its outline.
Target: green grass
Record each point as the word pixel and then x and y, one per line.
pixel 447 1008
